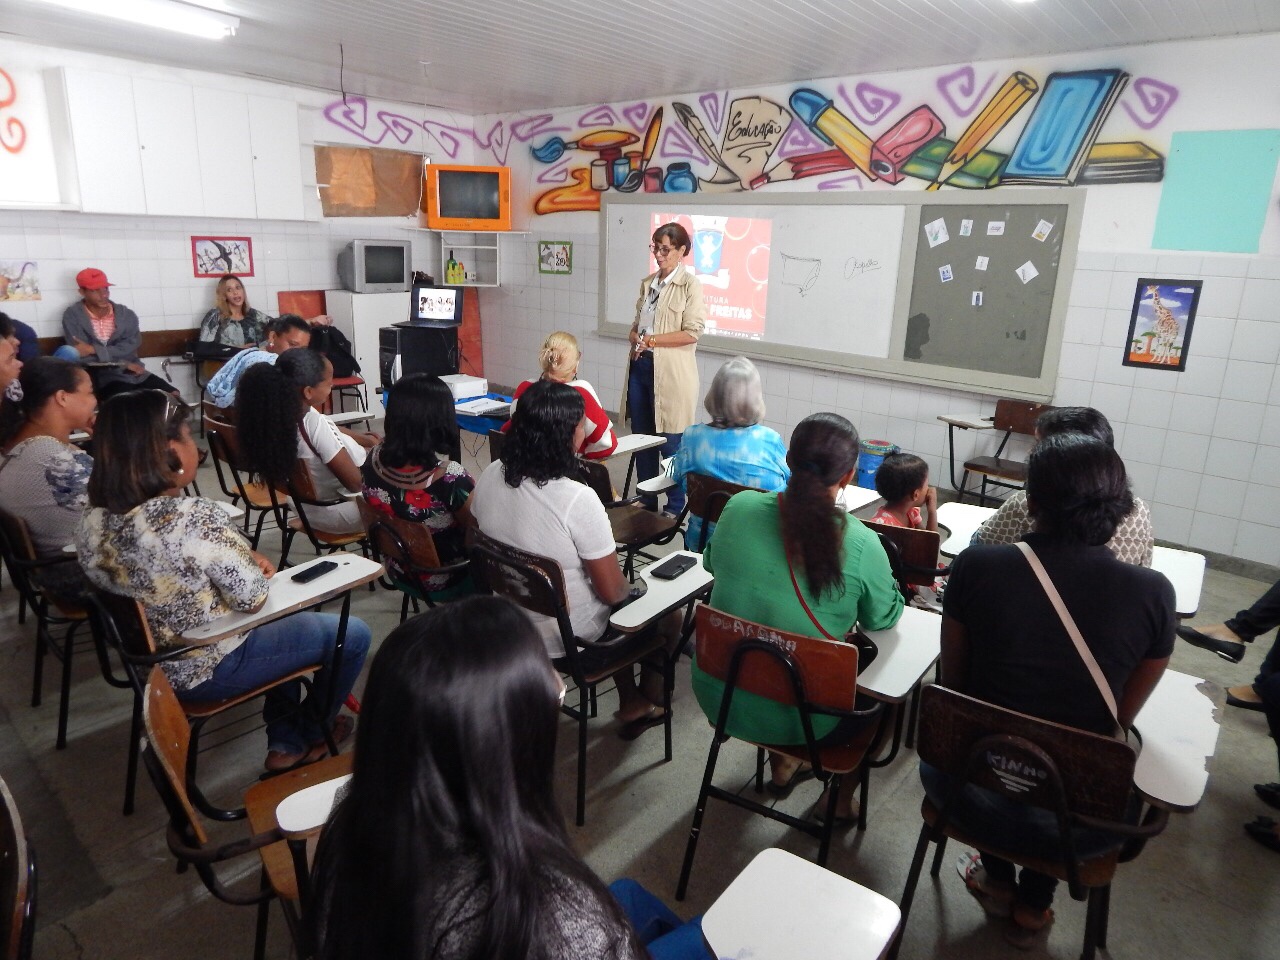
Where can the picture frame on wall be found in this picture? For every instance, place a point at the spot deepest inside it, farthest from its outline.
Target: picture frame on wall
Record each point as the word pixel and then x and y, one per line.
pixel 1164 312
pixel 218 256
pixel 555 256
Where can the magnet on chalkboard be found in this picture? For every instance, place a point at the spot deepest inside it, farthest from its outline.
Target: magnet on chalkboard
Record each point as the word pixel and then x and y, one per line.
pixel 897 144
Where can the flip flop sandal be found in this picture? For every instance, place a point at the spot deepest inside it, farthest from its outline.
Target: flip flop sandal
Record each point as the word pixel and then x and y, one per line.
pixel 995 903
pixel 783 790
pixel 630 731
pixel 1027 937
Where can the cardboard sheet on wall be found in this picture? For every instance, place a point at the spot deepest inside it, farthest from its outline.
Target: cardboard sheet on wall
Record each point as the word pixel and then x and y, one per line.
pixel 1217 185
pixel 365 182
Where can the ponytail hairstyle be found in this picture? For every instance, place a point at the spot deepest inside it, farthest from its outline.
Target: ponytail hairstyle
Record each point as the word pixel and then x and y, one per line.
pixel 270 408
pixel 559 356
pixel 824 447
pixel 40 379
pixel 132 459
pixel 1077 489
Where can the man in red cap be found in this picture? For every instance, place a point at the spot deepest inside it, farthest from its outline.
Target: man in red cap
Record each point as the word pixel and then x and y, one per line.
pixel 105 336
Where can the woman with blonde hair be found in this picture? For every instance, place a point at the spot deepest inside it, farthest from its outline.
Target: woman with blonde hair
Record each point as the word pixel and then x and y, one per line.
pixel 559 357
pixel 232 322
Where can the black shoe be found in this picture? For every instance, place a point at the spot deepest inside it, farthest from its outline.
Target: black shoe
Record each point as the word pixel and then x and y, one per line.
pixel 1264 831
pixel 1269 792
pixel 1233 701
pixel 1226 649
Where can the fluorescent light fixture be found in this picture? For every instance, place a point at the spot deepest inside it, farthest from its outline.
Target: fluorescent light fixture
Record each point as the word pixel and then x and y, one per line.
pixel 162 14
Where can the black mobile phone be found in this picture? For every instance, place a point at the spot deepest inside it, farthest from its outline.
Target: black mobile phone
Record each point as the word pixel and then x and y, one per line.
pixel 672 567
pixel 312 573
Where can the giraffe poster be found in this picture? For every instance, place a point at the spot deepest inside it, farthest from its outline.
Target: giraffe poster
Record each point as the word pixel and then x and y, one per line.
pixel 1160 324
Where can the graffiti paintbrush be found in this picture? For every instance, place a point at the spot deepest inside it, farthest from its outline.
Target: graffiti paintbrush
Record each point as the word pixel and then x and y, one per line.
pixel 809 165
pixel 1008 100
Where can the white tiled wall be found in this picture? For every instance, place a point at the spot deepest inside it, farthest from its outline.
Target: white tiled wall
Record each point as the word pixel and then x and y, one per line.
pixel 148 261
pixel 1202 447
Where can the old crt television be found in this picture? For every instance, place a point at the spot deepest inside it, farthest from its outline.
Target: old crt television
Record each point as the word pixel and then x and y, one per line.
pixel 436 306
pixel 376 266
pixel 467 198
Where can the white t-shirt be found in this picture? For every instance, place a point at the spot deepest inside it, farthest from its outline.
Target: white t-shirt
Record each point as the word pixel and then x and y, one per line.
pixel 564 521
pixel 328 440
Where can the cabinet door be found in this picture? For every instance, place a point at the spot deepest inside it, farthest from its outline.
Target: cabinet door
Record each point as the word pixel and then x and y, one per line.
pixel 170 156
pixel 277 162
pixel 104 134
pixel 226 153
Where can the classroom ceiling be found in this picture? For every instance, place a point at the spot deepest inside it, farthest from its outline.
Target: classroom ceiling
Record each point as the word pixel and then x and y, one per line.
pixel 491 56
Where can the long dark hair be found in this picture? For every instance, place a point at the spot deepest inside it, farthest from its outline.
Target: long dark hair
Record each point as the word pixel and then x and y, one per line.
pixel 132 460
pixel 270 408
pixel 41 378
pixel 540 444
pixel 420 422
pixel 454 763
pixel 824 447
pixel 1077 489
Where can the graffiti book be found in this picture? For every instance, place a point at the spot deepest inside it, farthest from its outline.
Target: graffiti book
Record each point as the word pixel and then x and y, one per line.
pixel 1129 162
pixel 1063 127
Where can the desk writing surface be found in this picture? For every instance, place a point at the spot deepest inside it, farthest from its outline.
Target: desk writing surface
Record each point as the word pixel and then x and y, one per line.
pixel 304 811
pixel 907 650
pixel 662 595
pixel 1185 571
pixel 1179 726
pixel 285 596
pixel 781 906
pixel 634 443
pixel 962 521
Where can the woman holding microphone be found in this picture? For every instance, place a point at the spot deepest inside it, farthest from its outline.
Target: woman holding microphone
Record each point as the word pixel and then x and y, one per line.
pixel 661 389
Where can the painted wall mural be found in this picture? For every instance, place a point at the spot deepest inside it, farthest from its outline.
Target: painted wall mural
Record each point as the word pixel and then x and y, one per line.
pixel 862 135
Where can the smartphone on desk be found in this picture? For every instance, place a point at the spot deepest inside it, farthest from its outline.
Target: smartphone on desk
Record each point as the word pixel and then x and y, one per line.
pixel 314 572
pixel 673 567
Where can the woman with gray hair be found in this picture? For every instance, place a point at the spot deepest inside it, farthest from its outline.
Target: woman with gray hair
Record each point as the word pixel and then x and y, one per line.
pixel 734 446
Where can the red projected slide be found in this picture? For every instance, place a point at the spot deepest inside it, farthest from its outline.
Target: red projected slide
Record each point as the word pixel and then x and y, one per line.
pixel 730 256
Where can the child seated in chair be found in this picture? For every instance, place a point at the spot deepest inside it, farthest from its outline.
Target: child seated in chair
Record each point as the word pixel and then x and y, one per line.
pixel 903 481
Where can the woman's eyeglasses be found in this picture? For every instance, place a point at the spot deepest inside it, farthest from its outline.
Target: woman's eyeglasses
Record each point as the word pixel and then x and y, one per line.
pixel 661 251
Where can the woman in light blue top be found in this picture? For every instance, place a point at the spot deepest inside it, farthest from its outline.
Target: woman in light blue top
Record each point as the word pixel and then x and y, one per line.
pixel 734 446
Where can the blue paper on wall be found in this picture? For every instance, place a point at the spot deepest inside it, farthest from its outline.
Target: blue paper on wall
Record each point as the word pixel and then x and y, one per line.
pixel 1217 185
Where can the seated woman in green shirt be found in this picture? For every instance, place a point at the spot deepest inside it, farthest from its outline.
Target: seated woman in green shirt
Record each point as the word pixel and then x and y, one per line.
pixel 771 548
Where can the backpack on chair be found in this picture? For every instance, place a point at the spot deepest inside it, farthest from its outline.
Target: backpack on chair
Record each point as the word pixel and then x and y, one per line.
pixel 333 343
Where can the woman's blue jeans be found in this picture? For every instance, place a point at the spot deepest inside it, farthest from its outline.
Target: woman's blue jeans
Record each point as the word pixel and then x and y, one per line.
pixel 644 419
pixel 276 650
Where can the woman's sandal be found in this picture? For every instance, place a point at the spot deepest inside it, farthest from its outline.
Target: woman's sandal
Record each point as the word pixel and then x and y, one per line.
pixel 995 899
pixel 1029 926
pixel 801 773
pixel 633 728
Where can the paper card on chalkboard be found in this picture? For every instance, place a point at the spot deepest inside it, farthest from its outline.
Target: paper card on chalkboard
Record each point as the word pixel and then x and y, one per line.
pixel 966 228
pixel 1042 231
pixel 981 263
pixel 936 232
pixel 944 273
pixel 977 298
pixel 995 228
pixel 1027 272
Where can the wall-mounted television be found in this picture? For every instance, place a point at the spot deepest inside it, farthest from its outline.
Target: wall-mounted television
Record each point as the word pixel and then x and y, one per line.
pixel 436 306
pixel 376 266
pixel 467 198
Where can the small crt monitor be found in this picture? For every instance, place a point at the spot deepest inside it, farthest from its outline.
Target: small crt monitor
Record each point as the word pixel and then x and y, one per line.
pixel 436 306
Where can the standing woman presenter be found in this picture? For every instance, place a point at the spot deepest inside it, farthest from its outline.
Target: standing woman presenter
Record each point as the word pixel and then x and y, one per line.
pixel 661 389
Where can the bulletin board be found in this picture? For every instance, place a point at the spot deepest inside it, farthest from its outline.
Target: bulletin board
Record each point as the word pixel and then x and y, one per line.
pixel 886 285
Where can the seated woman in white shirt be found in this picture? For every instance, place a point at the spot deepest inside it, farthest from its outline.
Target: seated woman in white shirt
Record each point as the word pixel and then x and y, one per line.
pixel 560 356
pixel 279 424
pixel 532 500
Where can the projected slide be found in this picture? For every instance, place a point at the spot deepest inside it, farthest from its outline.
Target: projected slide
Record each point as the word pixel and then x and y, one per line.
pixel 730 256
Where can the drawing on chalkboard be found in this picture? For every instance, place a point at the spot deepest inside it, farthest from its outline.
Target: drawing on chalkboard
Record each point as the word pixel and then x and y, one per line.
pixel 800 272
pixel 1160 323
pixel 856 266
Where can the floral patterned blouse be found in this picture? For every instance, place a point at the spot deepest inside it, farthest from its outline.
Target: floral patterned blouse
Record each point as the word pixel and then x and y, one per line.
pixel 185 560
pixel 409 494
pixel 234 333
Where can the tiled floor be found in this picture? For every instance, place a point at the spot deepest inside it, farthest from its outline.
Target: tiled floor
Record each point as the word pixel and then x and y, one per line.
pixel 108 888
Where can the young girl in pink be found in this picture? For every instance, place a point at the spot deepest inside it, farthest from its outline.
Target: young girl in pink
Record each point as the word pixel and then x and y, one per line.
pixel 903 481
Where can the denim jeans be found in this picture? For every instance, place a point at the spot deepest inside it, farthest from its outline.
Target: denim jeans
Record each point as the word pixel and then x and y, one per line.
pixel 277 649
pixel 663 934
pixel 644 419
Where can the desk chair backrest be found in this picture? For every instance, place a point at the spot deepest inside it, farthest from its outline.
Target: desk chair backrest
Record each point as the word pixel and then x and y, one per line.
pixel 1018 416
pixel 707 497
pixel 913 554
pixel 125 624
pixel 407 543
pixel 169 734
pixel 529 580
pixel 788 668
pixel 1024 758
pixel 17 883
pixel 19 555
pixel 496 439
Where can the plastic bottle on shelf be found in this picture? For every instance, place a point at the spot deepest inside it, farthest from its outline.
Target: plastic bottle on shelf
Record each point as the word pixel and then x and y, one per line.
pixel 453 270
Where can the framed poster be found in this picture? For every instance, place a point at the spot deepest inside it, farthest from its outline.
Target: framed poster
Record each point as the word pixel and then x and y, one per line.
pixel 555 256
pixel 1160 323
pixel 216 256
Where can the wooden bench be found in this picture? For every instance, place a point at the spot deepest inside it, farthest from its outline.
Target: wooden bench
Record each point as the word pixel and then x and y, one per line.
pixel 155 343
